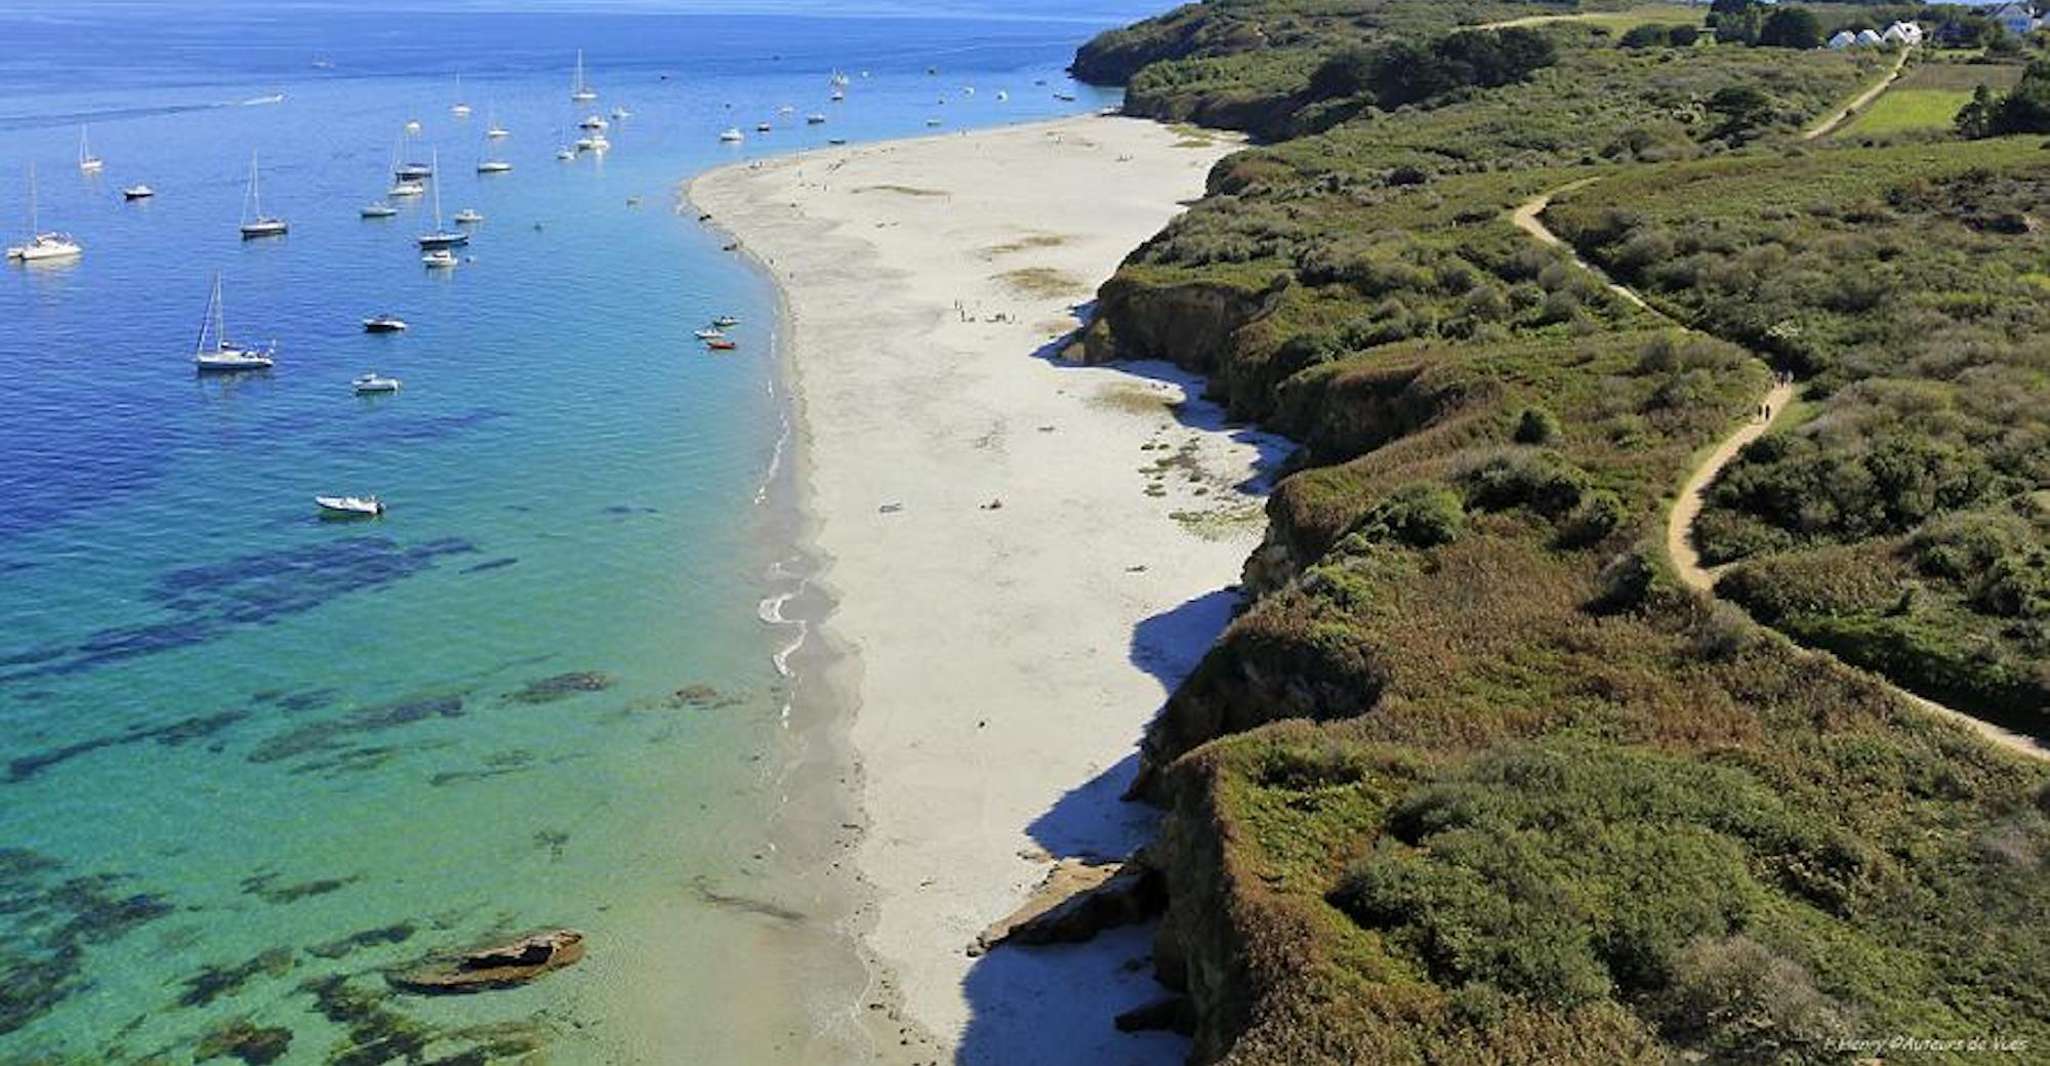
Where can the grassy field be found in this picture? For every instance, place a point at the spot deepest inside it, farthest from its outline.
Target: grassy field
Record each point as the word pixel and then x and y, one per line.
pixel 1929 97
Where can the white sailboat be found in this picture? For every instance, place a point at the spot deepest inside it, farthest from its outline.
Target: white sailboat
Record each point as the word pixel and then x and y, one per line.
pixel 442 238
pixel 42 246
pixel 213 353
pixel 459 109
pixel 254 222
pixel 88 163
pixel 578 90
pixel 492 129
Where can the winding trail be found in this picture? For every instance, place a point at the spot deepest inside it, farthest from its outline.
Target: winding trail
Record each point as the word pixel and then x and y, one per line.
pixel 1829 125
pixel 1686 559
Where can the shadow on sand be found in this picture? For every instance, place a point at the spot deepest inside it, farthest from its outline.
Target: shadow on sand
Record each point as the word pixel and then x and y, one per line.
pixel 1054 1005
pixel 1042 1006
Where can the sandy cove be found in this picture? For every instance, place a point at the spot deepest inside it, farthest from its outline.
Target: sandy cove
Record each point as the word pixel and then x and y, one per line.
pixel 1024 554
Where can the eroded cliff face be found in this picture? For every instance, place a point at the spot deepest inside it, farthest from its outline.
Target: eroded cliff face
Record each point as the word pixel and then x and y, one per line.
pixel 1194 325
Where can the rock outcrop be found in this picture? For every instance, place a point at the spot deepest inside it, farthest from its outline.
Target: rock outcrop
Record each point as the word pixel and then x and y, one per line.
pixel 501 965
pixel 1079 899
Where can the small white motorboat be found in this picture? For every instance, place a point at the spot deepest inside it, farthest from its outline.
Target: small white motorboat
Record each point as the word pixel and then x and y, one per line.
pixel 594 143
pixel 725 322
pixel 839 95
pixel 350 506
pixel 384 324
pixel 370 383
pixel 468 216
pixel 378 209
pixel 763 127
pixel 709 334
pixel 413 126
pixel 439 259
pixel 565 153
pixel 815 119
pixel 407 188
pixel 1002 95
pixel 593 122
pixel 732 135
pixel 493 166
pixel 137 192
pixel 620 113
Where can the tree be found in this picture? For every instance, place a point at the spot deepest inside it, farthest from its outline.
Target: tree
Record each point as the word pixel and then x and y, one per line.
pixel 1791 27
pixel 1975 119
pixel 2025 109
pixel 1683 36
pixel 1743 108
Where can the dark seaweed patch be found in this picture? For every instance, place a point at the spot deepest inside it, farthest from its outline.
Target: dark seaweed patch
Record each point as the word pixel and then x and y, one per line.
pixel 311 699
pixel 170 735
pixel 554 840
pixel 560 686
pixel 243 1039
pixel 702 888
pixel 329 734
pixel 383 935
pixel 264 886
pixel 490 564
pixel 51 923
pixel 213 982
pixel 376 1034
pixel 497 764
pixel 206 602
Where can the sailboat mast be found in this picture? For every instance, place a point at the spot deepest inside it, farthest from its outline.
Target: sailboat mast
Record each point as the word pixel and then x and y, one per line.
pixel 435 162
pixel 32 201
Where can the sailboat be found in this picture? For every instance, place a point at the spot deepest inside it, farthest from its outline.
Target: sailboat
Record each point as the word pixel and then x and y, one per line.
pixel 578 90
pixel 492 129
pixel 88 163
pixel 459 109
pixel 42 246
pixel 254 222
pixel 408 173
pixel 442 237
pixel 213 353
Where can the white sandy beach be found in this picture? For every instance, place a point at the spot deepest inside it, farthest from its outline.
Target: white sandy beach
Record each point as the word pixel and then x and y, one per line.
pixel 1025 554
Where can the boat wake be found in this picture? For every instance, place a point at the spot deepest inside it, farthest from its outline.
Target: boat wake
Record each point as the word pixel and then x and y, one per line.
pixel 115 114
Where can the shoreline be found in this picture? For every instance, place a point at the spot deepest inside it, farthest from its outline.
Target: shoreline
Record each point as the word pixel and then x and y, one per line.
pixel 955 828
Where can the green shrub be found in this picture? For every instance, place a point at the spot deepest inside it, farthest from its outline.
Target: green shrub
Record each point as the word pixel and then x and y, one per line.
pixel 1418 515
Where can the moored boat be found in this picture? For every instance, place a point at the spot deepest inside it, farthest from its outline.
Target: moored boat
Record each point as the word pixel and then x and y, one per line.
pixel 372 383
pixel 350 506
pixel 254 222
pixel 384 324
pixel 137 192
pixel 42 246
pixel 214 353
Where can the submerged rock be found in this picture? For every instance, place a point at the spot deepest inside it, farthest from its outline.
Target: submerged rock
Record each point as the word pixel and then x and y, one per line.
pixel 502 965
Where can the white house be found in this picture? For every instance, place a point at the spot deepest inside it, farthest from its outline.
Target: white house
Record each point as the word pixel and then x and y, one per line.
pixel 2014 17
pixel 1843 39
pixel 1907 33
pixel 1870 39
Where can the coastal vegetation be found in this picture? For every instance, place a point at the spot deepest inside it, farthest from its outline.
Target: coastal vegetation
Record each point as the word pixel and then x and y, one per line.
pixel 1473 778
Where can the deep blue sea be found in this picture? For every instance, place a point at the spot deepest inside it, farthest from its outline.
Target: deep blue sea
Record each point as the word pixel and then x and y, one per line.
pixel 249 759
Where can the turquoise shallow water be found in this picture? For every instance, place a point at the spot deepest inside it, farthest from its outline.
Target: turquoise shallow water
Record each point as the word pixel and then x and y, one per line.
pixel 250 759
